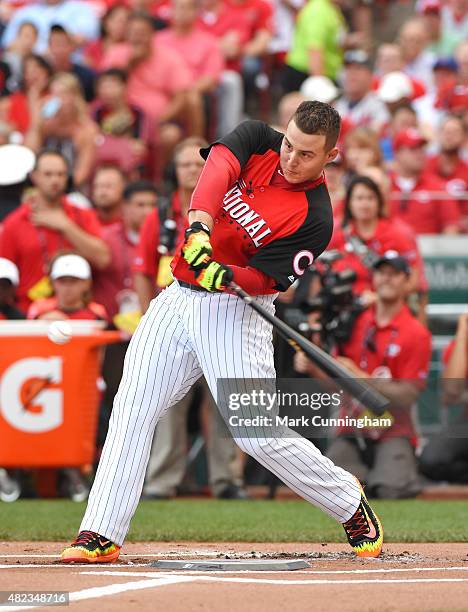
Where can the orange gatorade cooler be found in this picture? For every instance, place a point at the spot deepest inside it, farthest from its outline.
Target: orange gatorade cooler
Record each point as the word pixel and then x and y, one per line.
pixel 49 398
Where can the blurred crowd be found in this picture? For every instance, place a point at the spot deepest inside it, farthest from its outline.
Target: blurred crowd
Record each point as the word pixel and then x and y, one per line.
pixel 104 105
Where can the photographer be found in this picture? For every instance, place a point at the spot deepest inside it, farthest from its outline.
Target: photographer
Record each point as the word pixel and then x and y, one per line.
pixel 391 349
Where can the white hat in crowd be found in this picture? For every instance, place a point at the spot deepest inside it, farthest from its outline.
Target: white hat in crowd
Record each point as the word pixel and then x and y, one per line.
pixel 70 265
pixel 9 271
pixel 16 162
pixel 319 88
pixel 394 86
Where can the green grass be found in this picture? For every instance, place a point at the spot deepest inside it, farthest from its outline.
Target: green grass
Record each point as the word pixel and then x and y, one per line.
pixel 256 521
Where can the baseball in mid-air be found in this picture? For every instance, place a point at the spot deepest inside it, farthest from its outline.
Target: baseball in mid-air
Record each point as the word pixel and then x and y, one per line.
pixel 60 332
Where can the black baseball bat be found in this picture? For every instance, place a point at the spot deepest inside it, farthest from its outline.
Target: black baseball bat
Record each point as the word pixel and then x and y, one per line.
pixel 365 394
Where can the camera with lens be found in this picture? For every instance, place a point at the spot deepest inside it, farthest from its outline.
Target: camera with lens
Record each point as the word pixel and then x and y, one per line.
pixel 334 301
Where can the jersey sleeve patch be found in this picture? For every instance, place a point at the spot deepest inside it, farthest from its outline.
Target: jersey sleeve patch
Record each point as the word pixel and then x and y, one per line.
pixel 286 259
pixel 249 138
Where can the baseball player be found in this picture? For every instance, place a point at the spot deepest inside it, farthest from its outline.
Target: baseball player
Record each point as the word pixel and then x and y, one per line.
pixel 260 215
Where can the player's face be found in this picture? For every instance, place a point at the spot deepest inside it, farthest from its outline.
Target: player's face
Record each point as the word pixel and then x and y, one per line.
pixel 303 156
pixel 390 284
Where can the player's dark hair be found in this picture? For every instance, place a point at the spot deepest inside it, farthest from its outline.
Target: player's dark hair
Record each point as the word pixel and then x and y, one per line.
pixel 314 117
pixel 370 184
pixel 139 187
pixel 47 153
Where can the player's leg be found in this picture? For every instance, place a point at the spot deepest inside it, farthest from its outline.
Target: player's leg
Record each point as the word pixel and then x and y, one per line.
pixel 160 367
pixel 233 341
pixel 168 456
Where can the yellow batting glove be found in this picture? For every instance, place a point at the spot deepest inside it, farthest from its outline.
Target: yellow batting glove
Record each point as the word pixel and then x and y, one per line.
pixel 214 276
pixel 197 249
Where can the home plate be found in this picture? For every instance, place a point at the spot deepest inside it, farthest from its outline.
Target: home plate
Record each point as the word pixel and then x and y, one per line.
pixel 235 565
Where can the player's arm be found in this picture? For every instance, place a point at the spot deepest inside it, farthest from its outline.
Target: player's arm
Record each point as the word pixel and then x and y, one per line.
pixel 225 160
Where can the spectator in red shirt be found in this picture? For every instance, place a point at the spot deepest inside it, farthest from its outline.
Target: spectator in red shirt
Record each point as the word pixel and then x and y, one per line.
pixel 114 286
pixel 366 234
pixel 107 193
pixel 454 96
pixel 445 457
pixel 391 350
pixel 449 166
pixel 45 224
pixel 418 197
pixel 200 51
pixel 151 265
pixel 70 275
pixel 113 30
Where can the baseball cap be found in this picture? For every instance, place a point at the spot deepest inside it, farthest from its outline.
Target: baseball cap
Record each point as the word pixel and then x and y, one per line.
pixel 411 138
pixel 394 86
pixel 9 271
pixel 445 63
pixel 70 265
pixel 429 6
pixel 394 259
pixel 319 88
pixel 16 162
pixel 357 56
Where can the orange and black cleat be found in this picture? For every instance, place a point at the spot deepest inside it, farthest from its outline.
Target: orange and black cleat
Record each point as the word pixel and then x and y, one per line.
pixel 364 530
pixel 90 547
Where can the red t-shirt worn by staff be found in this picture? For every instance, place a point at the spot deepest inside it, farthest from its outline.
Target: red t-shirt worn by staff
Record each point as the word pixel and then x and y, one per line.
pixel 266 229
pixel 400 350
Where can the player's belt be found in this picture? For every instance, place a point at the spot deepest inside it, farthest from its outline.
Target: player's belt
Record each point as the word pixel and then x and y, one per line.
pixel 190 286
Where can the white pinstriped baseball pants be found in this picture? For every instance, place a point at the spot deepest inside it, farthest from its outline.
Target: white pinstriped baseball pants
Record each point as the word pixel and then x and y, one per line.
pixel 185 334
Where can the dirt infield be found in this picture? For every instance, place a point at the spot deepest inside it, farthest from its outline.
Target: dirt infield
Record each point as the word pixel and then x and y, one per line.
pixel 406 577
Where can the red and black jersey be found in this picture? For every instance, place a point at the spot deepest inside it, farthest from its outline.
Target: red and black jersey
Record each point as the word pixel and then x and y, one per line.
pixel 263 222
